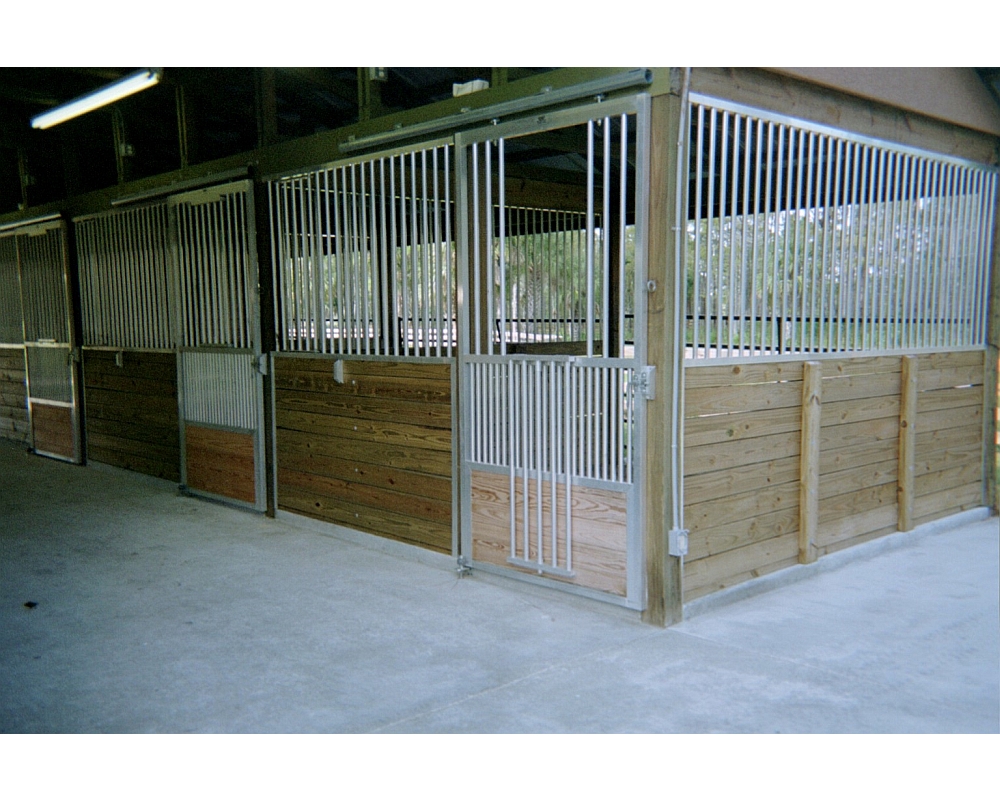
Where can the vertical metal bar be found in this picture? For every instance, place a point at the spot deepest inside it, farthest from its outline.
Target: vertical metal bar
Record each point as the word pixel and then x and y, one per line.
pixel 502 180
pixel 539 456
pixel 525 459
pixel 825 274
pixel 475 303
pixel 414 255
pixel 605 240
pixel 590 238
pixel 967 282
pixel 491 310
pixel 721 286
pixel 394 266
pixel 571 415
pixel 748 145
pixel 734 299
pixel 775 344
pixel 364 261
pixel 449 253
pixel 439 325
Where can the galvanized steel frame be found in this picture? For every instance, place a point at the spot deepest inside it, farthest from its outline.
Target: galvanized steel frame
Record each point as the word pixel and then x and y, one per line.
pixel 852 173
pixel 472 356
pixel 212 231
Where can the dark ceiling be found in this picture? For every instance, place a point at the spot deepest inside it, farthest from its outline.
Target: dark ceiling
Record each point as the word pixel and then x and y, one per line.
pixel 225 111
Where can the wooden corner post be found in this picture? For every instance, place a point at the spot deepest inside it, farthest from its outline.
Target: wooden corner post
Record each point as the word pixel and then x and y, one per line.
pixel 812 407
pixel 664 601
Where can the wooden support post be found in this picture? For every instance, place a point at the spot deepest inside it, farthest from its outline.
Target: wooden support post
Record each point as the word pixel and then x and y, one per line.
pixel 267 107
pixel 907 441
pixel 991 490
pixel 498 77
pixel 812 407
pixel 369 94
pixel 664 573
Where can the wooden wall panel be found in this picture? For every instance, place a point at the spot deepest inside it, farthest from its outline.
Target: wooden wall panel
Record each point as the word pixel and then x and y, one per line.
pixel 373 453
pixel 52 429
pixel 131 411
pixel 13 396
pixel 599 530
pixel 948 464
pixel 742 466
pixel 741 472
pixel 220 462
pixel 859 462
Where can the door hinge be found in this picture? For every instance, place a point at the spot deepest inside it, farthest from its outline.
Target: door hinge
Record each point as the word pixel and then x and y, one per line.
pixel 261 363
pixel 645 378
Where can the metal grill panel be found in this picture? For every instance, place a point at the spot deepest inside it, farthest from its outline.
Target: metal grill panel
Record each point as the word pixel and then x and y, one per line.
pixel 220 389
pixel 215 271
pixel 125 278
pixel 43 285
pixel 49 373
pixel 801 239
pixel 11 328
pixel 365 258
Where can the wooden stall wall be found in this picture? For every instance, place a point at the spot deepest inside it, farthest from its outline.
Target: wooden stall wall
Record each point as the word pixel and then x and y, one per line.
pixel 948 462
pixel 373 453
pixel 13 396
pixel 858 454
pixel 130 402
pixel 742 433
pixel 780 468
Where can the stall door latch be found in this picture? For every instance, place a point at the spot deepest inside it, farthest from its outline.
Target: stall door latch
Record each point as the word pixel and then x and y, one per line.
pixel 645 379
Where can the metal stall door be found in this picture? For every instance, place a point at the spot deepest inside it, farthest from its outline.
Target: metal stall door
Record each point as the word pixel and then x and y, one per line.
pixel 220 368
pixel 49 347
pixel 552 376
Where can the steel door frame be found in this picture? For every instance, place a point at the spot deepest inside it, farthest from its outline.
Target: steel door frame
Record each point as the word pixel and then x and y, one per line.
pixel 71 375
pixel 250 367
pixel 639 106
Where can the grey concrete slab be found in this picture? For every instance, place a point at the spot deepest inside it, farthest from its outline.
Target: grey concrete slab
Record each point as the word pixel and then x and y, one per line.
pixel 162 613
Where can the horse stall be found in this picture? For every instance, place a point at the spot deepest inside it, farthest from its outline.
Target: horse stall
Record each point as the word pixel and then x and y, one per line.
pixel 38 327
pixel 129 359
pixel 836 349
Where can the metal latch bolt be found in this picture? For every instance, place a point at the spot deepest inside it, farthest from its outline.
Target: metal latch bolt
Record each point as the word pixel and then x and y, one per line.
pixel 645 379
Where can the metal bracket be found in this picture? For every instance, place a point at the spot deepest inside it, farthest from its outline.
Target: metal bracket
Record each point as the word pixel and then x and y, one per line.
pixel 463 569
pixel 677 542
pixel 645 378
pixel 338 371
pixel 260 363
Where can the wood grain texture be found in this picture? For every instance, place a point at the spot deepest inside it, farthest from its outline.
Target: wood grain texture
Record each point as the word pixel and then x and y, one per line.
pixel 52 429
pixel 13 396
pixel 131 411
pixel 372 453
pixel 809 475
pixel 599 530
pixel 220 462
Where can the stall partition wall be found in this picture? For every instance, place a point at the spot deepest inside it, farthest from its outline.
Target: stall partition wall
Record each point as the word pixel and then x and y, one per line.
pixel 129 362
pixel 37 255
pixel 837 307
pixel 220 365
pixel 552 407
pixel 365 276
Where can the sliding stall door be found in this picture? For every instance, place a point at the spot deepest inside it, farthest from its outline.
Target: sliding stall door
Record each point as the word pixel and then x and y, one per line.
pixel 552 400
pixel 50 356
pixel 220 381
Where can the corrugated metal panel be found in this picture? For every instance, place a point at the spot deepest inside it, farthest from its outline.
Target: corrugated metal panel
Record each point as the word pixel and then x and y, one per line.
pixel 125 278
pixel 220 389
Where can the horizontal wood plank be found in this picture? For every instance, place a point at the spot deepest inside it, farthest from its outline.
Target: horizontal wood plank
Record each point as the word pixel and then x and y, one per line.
pixel 220 462
pixel 945 503
pixel 713 486
pixel 736 427
pixel 713 457
pixel 52 429
pixel 374 432
pixel 701 516
pixel 737 566
pixel 852 525
pixel 846 505
pixel 860 386
pixel 858 410
pixel 697 376
pixel 731 535
pixel 742 398
pixel 857 478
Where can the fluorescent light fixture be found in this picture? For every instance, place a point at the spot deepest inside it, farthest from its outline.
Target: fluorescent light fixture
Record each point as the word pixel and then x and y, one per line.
pixel 130 84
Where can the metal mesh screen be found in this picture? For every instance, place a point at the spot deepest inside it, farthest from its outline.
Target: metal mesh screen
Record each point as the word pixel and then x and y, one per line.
pixel 803 239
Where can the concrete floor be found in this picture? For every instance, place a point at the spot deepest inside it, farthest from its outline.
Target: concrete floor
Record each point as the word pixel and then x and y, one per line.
pixel 161 613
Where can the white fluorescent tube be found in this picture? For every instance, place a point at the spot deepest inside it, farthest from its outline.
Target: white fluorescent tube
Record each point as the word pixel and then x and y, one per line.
pixel 130 84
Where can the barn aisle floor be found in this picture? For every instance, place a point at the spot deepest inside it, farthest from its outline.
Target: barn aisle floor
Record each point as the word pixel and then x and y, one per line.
pixel 161 613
